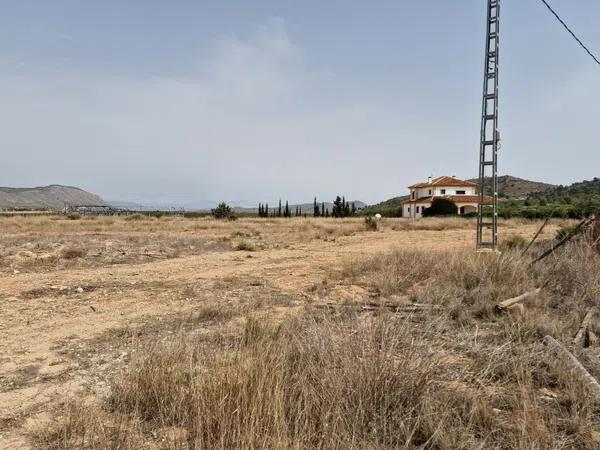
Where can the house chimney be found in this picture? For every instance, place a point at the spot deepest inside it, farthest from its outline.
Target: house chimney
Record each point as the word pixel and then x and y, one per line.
pixel 429 180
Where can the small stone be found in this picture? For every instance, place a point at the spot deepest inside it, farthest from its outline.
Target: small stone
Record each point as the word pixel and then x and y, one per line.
pixel 544 392
pixel 16 271
pixel 79 289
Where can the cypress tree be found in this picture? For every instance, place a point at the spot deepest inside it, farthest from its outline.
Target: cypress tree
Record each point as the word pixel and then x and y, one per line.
pixel 279 211
pixel 353 211
pixel 337 207
pixel 315 208
pixel 323 208
pixel 287 210
pixel 266 211
pixel 327 212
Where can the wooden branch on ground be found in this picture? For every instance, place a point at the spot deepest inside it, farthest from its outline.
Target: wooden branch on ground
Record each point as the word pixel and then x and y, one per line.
pixel 578 229
pixel 396 307
pixel 574 365
pixel 579 338
pixel 507 304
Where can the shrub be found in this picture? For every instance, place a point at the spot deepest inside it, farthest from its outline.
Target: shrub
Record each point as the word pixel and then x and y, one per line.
pixel 223 211
pixel 564 231
pixel 514 242
pixel 157 214
pixel 72 253
pixel 74 216
pixel 136 216
pixel 441 207
pixel 245 246
pixel 370 224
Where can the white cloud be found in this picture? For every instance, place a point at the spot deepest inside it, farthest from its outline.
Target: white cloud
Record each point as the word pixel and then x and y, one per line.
pixel 256 120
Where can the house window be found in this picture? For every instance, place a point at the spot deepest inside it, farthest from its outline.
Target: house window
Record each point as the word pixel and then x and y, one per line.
pixel 413 195
pixel 417 210
pixel 461 192
pixel 429 191
pixel 443 191
pixel 409 209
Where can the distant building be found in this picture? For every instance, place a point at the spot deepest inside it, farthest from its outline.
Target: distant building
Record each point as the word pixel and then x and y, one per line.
pixel 461 192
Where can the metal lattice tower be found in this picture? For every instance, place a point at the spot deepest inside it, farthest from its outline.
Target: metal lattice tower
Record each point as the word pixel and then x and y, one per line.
pixel 487 230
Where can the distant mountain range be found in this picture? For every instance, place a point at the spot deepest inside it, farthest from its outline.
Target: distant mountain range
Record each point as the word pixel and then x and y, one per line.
pixel 54 197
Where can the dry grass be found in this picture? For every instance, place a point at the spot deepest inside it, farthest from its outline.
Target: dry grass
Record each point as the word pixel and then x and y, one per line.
pixel 72 253
pixel 258 361
pixel 432 224
pixel 465 378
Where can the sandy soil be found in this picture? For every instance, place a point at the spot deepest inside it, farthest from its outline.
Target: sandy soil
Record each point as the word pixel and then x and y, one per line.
pixel 62 316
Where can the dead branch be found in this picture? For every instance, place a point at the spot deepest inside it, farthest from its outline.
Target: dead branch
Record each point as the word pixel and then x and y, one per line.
pixel 538 232
pixel 506 304
pixel 396 307
pixel 578 229
pixel 579 338
pixel 574 365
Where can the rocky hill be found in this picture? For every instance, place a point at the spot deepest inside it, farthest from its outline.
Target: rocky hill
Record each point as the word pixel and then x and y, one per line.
pixel 54 197
pixel 514 187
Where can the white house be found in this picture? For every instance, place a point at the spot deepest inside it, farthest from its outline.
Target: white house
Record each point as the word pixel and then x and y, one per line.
pixel 461 192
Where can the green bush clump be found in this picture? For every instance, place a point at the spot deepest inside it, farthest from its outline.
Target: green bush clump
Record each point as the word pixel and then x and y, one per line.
pixel 441 207
pixel 370 224
pixel 564 231
pixel 514 242
pixel 223 211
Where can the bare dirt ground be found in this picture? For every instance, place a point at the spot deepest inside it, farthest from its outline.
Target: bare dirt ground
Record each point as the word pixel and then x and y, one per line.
pixel 78 297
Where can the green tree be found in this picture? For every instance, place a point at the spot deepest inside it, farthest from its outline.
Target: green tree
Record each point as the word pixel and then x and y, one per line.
pixel 338 207
pixel 316 212
pixel 441 207
pixel 279 210
pixel 222 211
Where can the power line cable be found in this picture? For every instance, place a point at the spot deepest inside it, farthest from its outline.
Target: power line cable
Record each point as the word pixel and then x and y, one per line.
pixel 571 32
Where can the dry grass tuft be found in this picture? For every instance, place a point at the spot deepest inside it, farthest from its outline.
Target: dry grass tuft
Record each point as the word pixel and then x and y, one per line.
pixel 246 246
pixel 72 253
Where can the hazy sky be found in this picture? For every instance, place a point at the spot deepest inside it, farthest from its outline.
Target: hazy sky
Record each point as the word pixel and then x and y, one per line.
pixel 180 100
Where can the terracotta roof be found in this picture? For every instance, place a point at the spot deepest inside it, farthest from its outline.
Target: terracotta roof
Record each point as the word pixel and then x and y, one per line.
pixel 443 181
pixel 487 200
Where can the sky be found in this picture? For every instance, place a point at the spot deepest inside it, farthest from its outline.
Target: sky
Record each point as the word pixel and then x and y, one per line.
pixel 189 100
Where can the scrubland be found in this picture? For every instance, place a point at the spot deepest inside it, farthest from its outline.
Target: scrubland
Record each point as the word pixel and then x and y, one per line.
pixel 290 333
